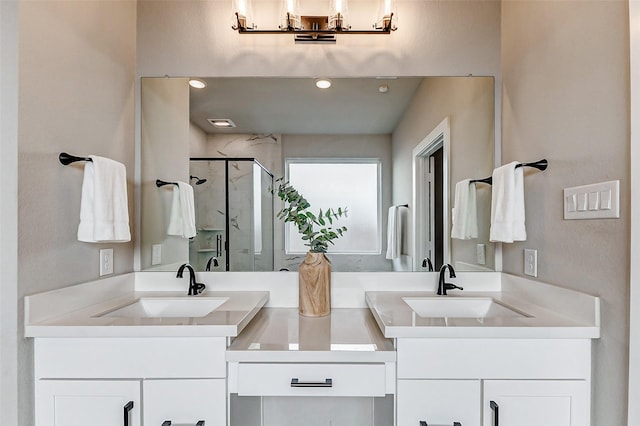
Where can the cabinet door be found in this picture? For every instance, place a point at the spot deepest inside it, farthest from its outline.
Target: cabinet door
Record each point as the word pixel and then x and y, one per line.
pixel 185 402
pixel 81 403
pixel 535 403
pixel 438 402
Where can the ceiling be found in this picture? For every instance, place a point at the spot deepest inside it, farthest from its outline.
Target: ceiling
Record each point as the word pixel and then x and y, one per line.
pixel 296 106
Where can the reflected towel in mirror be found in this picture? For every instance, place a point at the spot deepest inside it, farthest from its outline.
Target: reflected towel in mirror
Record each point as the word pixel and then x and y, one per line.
pixel 464 213
pixel 182 221
pixel 394 233
pixel 104 208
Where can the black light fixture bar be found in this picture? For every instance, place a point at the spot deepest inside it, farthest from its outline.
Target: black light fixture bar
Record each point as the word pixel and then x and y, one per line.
pixel 312 33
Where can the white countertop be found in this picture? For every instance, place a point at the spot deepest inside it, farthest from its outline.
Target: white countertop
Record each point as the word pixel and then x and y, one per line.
pixel 282 335
pixel 228 320
pixel 397 319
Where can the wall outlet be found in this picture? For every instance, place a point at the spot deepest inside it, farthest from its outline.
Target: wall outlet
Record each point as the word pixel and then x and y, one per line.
pixel 156 254
pixel 531 262
pixel 481 254
pixel 106 262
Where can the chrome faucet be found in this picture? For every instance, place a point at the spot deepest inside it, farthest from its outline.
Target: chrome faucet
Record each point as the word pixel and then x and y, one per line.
pixel 444 286
pixel 215 263
pixel 195 288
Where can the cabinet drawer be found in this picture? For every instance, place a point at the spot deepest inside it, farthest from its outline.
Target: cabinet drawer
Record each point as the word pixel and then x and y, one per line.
pixel 184 402
pixel 148 357
pixel 311 379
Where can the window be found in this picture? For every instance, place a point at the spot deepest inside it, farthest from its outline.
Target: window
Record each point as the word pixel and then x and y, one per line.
pixel 333 183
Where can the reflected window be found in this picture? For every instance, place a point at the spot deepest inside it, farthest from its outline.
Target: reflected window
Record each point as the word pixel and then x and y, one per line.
pixel 334 183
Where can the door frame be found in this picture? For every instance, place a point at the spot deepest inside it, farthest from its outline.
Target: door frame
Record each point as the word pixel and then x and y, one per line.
pixel 439 137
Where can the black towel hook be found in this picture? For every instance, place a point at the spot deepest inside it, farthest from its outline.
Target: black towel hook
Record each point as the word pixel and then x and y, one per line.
pixel 540 165
pixel 160 183
pixel 67 159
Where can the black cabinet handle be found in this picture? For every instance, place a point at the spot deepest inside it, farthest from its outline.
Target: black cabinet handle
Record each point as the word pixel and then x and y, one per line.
pixel 423 423
pixel 168 423
pixel 496 415
pixel 127 408
pixel 200 423
pixel 457 424
pixel 296 383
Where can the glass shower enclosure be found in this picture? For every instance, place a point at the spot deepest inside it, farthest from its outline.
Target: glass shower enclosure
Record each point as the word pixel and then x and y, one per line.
pixel 234 215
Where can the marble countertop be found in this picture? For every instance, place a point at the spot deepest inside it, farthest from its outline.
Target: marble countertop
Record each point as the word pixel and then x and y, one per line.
pixel 228 320
pixel 397 319
pixel 282 335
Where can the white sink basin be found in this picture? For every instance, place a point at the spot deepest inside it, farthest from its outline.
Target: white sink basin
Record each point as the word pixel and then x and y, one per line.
pixel 165 307
pixel 459 307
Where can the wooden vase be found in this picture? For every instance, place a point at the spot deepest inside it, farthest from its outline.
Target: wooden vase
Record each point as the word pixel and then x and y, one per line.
pixel 314 278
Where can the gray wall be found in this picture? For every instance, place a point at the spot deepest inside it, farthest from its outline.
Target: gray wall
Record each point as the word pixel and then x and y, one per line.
pixel 468 102
pixel 565 70
pixel 8 213
pixel 76 94
pixel 165 134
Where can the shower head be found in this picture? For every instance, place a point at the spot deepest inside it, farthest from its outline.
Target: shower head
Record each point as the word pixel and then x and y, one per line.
pixel 198 180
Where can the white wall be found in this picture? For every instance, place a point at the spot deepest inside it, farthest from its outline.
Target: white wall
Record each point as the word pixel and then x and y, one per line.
pixel 9 213
pixel 76 94
pixel 565 69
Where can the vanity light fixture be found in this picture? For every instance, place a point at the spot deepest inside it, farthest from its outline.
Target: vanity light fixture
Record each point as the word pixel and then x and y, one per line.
pixel 223 123
pixel 323 83
pixel 314 29
pixel 197 84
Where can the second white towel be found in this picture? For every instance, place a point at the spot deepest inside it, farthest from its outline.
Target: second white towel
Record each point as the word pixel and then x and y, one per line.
pixel 507 205
pixel 182 221
pixel 394 233
pixel 464 215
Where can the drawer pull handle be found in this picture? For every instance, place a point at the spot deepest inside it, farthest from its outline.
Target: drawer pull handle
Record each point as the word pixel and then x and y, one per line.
pixel 127 409
pixel 168 423
pixel 496 415
pixel 296 383
pixel 423 423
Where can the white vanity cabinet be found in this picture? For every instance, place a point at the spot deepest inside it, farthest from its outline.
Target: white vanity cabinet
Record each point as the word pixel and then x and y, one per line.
pixel 533 402
pixel 82 381
pixel 489 382
pixel 87 402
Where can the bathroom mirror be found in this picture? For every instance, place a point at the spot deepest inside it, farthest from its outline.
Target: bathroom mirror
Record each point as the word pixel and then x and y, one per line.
pixel 270 123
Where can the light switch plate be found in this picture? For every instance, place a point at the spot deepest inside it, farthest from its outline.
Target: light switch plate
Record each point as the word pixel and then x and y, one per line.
pixel 106 262
pixel 156 254
pixel 531 262
pixel 481 254
pixel 595 201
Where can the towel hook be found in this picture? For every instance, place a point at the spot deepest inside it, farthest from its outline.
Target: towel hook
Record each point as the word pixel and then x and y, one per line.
pixel 67 159
pixel 160 183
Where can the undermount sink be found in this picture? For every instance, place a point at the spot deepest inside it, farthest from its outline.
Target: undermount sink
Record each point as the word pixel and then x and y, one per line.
pixel 168 307
pixel 459 307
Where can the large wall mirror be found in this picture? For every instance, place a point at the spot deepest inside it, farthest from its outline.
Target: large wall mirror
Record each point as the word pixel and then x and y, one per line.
pixel 233 137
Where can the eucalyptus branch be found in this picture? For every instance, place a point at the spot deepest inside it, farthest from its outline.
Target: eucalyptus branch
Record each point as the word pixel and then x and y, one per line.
pixel 296 210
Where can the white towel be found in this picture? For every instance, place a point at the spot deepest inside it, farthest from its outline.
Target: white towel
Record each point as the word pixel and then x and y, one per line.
pixel 394 233
pixel 104 210
pixel 182 221
pixel 464 215
pixel 507 205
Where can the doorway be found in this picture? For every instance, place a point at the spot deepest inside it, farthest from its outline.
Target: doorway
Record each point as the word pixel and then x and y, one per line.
pixel 431 199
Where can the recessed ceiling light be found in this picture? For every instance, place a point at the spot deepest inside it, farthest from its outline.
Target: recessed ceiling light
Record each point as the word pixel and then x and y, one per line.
pixel 323 83
pixel 197 84
pixel 383 88
pixel 222 122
